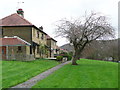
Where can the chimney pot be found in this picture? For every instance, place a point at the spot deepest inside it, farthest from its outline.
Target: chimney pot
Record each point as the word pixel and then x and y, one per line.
pixel 41 28
pixel 20 12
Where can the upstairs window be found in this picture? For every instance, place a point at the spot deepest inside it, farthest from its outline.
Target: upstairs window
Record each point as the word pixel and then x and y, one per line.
pixel 37 34
pixel 42 37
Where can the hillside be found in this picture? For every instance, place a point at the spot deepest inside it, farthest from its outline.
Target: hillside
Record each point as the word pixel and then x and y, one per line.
pixel 96 43
pixel 68 47
pixel 99 49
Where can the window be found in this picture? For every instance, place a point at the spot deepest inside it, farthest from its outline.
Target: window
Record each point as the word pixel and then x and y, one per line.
pixel 42 37
pixel 37 34
pixel 19 48
pixel 3 51
pixel 30 49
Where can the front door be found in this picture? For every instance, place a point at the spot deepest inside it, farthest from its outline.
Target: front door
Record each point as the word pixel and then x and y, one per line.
pixel 3 52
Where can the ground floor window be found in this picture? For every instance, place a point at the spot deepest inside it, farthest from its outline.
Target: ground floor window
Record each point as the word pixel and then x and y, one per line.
pixel 19 48
pixel 30 49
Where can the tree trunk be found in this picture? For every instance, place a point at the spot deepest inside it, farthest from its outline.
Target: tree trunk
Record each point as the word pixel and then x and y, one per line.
pixel 77 54
pixel 74 62
pixel 76 57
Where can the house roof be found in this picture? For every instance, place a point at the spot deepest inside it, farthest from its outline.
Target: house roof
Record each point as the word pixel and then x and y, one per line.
pixel 50 38
pixel 13 41
pixel 14 20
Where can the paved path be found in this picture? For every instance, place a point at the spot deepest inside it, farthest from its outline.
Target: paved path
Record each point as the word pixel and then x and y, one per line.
pixel 31 82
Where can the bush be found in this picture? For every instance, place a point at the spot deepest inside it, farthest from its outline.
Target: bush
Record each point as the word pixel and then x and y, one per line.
pixel 69 57
pixel 59 58
pixel 64 54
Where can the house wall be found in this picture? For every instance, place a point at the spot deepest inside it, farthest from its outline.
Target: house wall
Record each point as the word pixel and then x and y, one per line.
pixel 34 36
pixel 29 34
pixel 43 42
pixel 52 44
pixel 37 38
pixel 22 32
pixel 27 50
pixel 14 50
pixel 49 44
pixel 13 53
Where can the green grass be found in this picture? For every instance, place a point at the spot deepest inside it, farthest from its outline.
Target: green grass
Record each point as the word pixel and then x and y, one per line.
pixel 15 72
pixel 88 74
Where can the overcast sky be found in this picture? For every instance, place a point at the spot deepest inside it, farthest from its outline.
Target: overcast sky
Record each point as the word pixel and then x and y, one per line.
pixel 46 12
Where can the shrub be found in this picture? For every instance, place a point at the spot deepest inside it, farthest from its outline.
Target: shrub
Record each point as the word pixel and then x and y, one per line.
pixel 59 58
pixel 69 57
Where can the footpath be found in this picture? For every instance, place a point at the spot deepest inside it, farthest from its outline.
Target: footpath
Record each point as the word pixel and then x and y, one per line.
pixel 31 82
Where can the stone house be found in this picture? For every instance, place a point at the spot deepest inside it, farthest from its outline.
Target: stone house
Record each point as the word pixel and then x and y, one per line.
pixel 16 25
pixel 52 46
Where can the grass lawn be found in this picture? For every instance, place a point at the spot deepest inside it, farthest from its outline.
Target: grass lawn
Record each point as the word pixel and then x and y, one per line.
pixel 15 72
pixel 88 74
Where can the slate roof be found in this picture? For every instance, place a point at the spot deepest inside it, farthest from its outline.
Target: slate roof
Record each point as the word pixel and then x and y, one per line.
pixel 13 41
pixel 14 20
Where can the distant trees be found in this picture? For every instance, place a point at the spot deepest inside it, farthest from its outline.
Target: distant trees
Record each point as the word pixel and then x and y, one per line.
pixel 113 50
pixel 83 31
pixel 102 49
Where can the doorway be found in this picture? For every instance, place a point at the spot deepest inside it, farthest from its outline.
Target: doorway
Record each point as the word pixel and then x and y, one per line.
pixel 3 52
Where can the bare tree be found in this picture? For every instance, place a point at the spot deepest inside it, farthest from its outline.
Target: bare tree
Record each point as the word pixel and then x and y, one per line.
pixel 83 31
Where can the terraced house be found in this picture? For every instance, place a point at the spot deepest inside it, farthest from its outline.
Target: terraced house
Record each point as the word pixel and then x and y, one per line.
pixel 16 25
pixel 52 45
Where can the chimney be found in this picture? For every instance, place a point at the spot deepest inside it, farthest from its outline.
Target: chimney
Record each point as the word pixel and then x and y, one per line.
pixel 41 28
pixel 20 12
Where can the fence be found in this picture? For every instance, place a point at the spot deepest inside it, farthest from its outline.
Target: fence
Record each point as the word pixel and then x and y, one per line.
pixel 18 57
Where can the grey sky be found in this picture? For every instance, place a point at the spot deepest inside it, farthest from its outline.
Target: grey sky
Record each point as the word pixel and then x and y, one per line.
pixel 46 12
